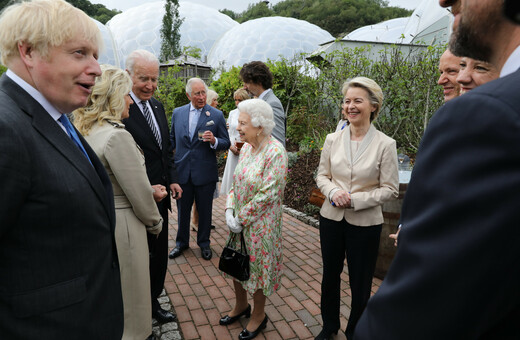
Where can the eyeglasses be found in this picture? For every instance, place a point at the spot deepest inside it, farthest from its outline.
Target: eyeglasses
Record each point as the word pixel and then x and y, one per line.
pixel 199 94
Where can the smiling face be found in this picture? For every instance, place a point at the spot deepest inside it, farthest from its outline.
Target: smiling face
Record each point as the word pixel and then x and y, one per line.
pixel 144 77
pixel 449 66
pixel 358 107
pixel 474 73
pixel 248 132
pixel 65 78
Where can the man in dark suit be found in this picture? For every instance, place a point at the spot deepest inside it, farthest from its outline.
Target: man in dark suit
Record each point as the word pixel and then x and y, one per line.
pixel 258 80
pixel 58 260
pixel 149 127
pixel 456 273
pixel 198 131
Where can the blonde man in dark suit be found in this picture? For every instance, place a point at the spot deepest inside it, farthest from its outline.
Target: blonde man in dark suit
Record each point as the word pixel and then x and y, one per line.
pixel 60 272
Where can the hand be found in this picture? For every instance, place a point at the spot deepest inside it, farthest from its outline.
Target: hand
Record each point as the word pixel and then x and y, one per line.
pixel 231 222
pixel 341 199
pixel 159 192
pixel 233 148
pixel 395 236
pixel 208 137
pixel 176 190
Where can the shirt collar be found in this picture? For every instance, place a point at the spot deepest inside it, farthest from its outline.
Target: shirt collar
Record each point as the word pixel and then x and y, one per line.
pixel 263 94
pixel 512 63
pixel 192 108
pixel 55 114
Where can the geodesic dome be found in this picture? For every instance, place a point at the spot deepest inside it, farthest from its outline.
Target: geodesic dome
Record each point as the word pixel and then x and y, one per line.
pixel 109 53
pixel 266 38
pixel 139 27
pixel 390 31
pixel 429 23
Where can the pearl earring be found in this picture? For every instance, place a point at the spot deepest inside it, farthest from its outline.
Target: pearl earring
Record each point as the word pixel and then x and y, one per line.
pixel 258 134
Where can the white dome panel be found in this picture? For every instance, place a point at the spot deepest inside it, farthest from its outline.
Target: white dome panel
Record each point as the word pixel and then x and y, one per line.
pixel 266 38
pixel 139 27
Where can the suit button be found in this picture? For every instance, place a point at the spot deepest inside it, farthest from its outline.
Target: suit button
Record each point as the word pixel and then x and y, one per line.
pixel 114 264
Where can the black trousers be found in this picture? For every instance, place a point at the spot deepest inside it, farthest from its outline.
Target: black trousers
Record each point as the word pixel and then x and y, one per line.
pixel 158 248
pixel 360 246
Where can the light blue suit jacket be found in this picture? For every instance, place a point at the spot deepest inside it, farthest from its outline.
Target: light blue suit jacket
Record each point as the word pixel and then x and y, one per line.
pixel 193 157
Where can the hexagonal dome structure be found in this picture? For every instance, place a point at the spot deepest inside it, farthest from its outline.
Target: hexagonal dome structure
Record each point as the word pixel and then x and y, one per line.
pixel 109 53
pixel 139 27
pixel 266 38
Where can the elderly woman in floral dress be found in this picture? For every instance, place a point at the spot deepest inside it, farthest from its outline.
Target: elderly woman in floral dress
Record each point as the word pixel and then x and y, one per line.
pixel 254 206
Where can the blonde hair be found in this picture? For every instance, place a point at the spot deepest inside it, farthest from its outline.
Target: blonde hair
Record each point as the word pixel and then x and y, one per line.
pixel 43 24
pixel 375 94
pixel 107 100
pixel 242 94
pixel 210 96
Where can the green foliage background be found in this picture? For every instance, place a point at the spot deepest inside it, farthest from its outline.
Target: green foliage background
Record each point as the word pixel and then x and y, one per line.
pixel 338 17
pixel 312 98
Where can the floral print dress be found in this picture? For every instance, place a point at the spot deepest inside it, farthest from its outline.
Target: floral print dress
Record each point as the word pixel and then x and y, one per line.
pixel 256 197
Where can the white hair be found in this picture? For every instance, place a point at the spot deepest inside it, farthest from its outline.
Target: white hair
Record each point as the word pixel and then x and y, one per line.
pixel 260 112
pixel 190 82
pixel 140 54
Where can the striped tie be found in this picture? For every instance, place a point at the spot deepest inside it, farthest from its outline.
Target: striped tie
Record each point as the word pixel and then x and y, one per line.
pixel 148 116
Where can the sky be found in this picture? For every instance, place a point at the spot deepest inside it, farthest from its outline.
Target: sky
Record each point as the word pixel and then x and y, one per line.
pixel 234 5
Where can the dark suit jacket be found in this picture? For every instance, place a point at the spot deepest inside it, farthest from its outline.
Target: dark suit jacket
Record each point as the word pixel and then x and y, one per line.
pixel 159 162
pixel 58 260
pixel 192 156
pixel 456 272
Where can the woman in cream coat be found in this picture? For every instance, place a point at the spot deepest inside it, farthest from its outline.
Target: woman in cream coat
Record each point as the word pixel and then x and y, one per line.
pixel 357 173
pixel 136 210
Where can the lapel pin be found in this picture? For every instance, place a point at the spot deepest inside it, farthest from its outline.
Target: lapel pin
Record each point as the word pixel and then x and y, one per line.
pixel 207 113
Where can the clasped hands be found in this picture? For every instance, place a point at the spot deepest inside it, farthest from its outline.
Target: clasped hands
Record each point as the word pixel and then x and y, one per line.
pixel 232 222
pixel 341 199
pixel 159 191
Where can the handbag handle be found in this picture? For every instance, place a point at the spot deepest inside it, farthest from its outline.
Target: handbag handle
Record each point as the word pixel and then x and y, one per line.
pixel 242 242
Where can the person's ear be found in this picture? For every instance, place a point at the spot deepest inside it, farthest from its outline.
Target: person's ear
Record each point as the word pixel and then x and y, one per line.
pixel 27 53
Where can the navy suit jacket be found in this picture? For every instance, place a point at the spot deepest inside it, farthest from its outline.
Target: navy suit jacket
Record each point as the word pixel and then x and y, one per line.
pixel 456 273
pixel 159 162
pixel 193 157
pixel 59 273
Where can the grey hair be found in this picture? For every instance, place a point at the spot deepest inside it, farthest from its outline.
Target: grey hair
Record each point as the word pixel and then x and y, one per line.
pixel 190 82
pixel 260 112
pixel 139 54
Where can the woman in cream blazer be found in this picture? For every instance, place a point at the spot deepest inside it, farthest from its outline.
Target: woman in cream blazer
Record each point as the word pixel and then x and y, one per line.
pixel 136 210
pixel 357 173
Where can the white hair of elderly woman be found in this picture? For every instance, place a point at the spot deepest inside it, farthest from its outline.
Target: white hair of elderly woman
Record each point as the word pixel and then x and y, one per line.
pixel 260 112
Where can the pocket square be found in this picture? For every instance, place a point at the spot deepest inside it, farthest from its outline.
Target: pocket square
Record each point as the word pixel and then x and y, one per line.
pixel 210 123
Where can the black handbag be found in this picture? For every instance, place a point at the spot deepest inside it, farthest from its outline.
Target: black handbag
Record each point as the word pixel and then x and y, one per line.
pixel 235 262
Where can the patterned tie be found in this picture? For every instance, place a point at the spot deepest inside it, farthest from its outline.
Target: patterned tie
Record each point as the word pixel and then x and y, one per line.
pixel 72 134
pixel 193 122
pixel 148 116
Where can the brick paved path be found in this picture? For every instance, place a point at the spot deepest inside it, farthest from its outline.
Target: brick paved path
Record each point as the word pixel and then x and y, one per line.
pixel 200 295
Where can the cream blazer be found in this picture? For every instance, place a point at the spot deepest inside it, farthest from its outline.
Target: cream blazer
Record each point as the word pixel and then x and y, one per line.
pixel 370 175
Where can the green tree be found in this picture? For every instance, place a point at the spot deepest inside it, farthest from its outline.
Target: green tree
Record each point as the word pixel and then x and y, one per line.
pixel 338 17
pixel 170 31
pixel 192 51
pixel 171 91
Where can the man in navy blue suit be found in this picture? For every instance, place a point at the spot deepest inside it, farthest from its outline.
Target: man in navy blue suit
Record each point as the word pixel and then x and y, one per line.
pixel 455 274
pixel 198 131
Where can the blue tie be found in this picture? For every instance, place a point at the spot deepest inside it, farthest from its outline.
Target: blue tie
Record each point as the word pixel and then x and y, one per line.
pixel 72 134
pixel 194 121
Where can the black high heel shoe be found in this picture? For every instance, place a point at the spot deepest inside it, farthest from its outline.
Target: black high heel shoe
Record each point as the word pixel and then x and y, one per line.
pixel 325 335
pixel 228 320
pixel 247 335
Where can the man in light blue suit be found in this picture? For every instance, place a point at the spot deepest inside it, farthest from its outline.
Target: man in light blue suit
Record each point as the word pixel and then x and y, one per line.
pixel 198 131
